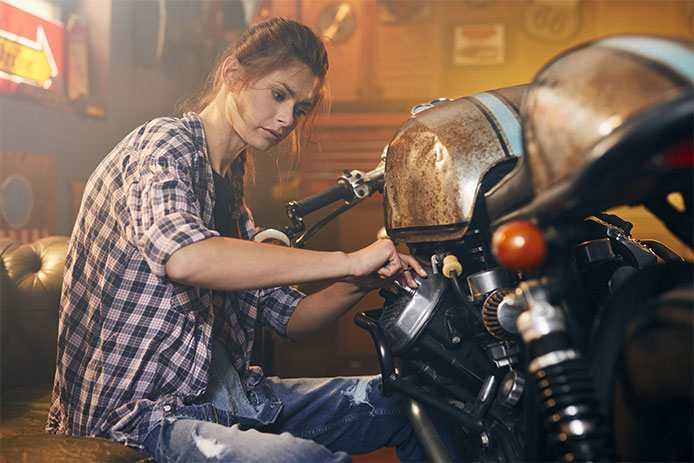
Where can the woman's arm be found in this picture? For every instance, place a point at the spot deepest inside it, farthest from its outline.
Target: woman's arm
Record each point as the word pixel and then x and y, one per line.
pixel 233 265
pixel 323 307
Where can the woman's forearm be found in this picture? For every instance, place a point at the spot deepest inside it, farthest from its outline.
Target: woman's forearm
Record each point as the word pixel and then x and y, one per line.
pixel 323 307
pixel 234 265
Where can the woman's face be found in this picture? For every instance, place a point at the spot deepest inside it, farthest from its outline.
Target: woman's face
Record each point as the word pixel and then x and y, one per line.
pixel 266 110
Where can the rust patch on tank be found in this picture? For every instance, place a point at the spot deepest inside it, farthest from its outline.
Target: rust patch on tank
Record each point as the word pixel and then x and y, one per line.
pixel 434 167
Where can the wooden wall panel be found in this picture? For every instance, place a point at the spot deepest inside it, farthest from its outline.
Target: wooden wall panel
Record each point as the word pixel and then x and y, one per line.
pixel 346 141
pixel 407 58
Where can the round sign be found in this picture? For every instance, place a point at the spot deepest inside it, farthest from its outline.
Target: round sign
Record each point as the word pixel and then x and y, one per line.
pixel 16 201
pixel 551 20
pixel 337 21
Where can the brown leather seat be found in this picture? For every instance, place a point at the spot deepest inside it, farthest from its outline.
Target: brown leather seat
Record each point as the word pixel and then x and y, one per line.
pixel 31 277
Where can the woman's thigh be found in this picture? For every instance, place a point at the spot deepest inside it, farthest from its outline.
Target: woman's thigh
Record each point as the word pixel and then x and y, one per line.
pixel 348 414
pixel 184 439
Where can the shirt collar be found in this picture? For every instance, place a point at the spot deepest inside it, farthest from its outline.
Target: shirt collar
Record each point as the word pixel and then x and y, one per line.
pixel 193 122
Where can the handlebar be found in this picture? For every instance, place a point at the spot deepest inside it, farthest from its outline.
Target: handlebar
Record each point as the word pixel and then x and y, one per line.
pixel 341 190
pixel 352 187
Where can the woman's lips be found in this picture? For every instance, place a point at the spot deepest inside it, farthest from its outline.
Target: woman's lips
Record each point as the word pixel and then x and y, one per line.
pixel 273 134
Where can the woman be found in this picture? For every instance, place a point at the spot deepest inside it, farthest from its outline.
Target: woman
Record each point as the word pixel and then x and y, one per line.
pixel 163 286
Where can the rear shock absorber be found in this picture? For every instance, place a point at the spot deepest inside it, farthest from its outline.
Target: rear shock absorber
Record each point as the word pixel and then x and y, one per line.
pixel 574 428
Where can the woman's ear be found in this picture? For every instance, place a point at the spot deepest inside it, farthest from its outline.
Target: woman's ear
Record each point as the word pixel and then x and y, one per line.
pixel 230 71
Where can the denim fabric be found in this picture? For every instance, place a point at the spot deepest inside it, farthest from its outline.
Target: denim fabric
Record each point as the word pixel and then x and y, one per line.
pixel 290 420
pixel 226 392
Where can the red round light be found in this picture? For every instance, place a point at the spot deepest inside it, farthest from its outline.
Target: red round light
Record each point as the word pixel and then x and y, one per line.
pixel 519 245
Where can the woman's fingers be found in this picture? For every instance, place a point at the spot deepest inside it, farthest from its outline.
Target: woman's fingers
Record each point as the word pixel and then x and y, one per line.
pixel 396 266
pixel 409 279
pixel 388 270
pixel 412 261
pixel 401 264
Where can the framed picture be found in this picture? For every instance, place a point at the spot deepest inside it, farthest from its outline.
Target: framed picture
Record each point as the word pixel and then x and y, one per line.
pixel 479 45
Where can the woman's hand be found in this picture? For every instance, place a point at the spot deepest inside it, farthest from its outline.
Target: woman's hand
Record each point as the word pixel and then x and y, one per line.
pixel 380 265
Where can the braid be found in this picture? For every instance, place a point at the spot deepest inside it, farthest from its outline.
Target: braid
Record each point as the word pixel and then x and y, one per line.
pixel 237 173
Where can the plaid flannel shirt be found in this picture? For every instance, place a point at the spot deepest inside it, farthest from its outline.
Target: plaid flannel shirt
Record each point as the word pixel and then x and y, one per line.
pixel 133 346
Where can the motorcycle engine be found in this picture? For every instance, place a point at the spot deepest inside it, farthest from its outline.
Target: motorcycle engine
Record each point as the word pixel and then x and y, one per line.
pixel 446 341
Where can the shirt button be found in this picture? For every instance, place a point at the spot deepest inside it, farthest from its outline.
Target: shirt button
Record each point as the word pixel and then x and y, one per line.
pixel 167 408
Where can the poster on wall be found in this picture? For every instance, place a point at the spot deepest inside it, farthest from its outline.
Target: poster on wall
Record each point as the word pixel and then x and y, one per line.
pixel 31 54
pixel 478 45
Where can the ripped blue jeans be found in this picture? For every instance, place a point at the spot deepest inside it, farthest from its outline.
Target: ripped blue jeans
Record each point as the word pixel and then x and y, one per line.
pixel 286 420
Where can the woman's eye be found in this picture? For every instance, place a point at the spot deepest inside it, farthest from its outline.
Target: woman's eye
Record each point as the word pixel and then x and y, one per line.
pixel 298 112
pixel 279 96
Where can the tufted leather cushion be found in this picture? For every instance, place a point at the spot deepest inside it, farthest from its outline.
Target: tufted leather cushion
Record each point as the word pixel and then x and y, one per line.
pixel 31 277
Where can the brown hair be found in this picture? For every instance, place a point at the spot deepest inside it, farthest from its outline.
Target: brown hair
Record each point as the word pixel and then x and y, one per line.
pixel 264 48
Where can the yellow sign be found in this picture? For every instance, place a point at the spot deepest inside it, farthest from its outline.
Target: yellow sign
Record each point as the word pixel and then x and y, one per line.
pixel 27 61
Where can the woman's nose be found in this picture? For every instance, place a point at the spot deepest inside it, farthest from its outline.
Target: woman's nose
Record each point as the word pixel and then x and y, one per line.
pixel 286 115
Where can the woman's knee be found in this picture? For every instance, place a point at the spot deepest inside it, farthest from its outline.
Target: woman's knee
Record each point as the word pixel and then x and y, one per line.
pixel 193 440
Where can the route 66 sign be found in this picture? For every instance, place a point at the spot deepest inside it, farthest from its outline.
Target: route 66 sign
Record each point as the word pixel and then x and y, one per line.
pixel 551 20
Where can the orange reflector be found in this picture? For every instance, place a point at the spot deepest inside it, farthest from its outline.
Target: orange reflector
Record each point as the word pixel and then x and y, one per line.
pixel 519 245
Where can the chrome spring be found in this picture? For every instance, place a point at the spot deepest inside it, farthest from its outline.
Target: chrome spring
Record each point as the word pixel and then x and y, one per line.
pixel 575 429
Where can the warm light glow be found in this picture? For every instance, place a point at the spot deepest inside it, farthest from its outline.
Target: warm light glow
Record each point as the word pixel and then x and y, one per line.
pixel 676 200
pixel 519 246
pixel 610 124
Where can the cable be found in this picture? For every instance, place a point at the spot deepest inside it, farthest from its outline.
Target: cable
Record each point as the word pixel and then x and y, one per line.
pixel 299 243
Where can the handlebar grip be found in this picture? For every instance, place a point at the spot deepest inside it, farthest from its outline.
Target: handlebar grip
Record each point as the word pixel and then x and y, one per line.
pixel 314 202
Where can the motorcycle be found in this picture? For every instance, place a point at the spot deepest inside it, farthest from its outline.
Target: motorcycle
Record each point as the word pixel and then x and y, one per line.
pixel 544 330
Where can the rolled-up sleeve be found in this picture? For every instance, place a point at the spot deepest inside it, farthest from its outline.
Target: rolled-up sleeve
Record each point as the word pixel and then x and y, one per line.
pixel 277 306
pixel 164 209
pixel 169 233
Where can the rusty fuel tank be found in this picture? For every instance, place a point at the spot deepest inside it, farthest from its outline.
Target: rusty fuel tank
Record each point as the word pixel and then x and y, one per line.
pixel 437 159
pixel 590 92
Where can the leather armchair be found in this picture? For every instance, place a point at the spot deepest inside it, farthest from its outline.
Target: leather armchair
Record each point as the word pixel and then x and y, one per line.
pixel 31 277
